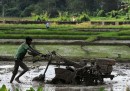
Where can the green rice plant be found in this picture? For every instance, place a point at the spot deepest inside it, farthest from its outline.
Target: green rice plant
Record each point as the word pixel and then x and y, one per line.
pixel 21 36
pixel 40 89
pixel 3 88
pixel 55 26
pixel 16 89
pixel 45 32
pixel 91 38
pixel 109 34
pixel 102 89
pixel 125 32
pixel 31 89
pixel 21 26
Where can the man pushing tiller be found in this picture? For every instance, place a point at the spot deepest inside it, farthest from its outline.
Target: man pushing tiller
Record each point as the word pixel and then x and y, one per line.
pixel 22 50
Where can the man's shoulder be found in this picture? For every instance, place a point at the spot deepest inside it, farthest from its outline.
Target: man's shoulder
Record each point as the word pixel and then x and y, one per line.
pixel 25 45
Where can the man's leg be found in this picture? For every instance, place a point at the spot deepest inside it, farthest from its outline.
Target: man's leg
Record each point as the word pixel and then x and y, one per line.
pixel 25 69
pixel 15 71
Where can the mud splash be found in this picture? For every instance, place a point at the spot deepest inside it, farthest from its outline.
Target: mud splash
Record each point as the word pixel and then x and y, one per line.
pixel 120 83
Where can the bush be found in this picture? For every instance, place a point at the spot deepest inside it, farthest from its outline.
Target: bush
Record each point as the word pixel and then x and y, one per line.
pixel 101 13
pixel 83 17
pixel 64 16
pixel 113 13
pixel 45 16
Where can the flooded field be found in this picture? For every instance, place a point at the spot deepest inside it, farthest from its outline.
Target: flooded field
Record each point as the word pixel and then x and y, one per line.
pixel 121 81
pixel 90 51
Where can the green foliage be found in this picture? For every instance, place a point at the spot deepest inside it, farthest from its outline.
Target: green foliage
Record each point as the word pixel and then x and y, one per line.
pixel 91 38
pixel 13 12
pixel 31 89
pixel 102 89
pixel 123 33
pixel 26 7
pixel 45 16
pixel 64 16
pixel 27 11
pixel 67 32
pixel 37 9
pixel 83 17
pixel 3 88
pixel 40 89
pixel 101 13
pixel 113 13
pixel 17 89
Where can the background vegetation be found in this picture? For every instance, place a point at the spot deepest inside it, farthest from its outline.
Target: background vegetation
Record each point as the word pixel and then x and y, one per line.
pixel 66 10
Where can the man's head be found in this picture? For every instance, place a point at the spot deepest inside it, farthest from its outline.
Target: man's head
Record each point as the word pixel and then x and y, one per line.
pixel 28 40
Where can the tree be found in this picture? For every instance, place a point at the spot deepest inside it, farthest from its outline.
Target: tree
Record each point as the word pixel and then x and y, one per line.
pixel 109 5
pixel 27 11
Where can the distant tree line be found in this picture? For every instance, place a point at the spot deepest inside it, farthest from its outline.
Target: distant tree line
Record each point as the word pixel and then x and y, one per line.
pixel 25 8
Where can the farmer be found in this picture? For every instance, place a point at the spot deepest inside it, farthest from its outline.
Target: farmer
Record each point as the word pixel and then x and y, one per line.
pixel 47 25
pixel 22 50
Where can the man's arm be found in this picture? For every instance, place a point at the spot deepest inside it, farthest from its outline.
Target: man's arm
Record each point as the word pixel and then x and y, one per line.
pixel 33 51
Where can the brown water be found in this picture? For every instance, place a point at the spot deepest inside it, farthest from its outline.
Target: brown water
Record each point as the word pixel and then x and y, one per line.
pixel 120 83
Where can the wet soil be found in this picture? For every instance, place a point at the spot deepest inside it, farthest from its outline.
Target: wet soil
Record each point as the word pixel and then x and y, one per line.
pixel 121 81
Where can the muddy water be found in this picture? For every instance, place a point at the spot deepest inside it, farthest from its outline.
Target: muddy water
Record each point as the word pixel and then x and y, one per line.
pixel 121 82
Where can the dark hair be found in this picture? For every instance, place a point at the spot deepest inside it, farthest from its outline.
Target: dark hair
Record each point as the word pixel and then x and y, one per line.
pixel 28 38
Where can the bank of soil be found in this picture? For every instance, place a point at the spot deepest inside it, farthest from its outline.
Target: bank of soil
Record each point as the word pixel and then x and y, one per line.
pixel 67 42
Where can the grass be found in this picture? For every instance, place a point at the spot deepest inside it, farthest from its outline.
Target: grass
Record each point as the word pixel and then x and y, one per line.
pixel 122 18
